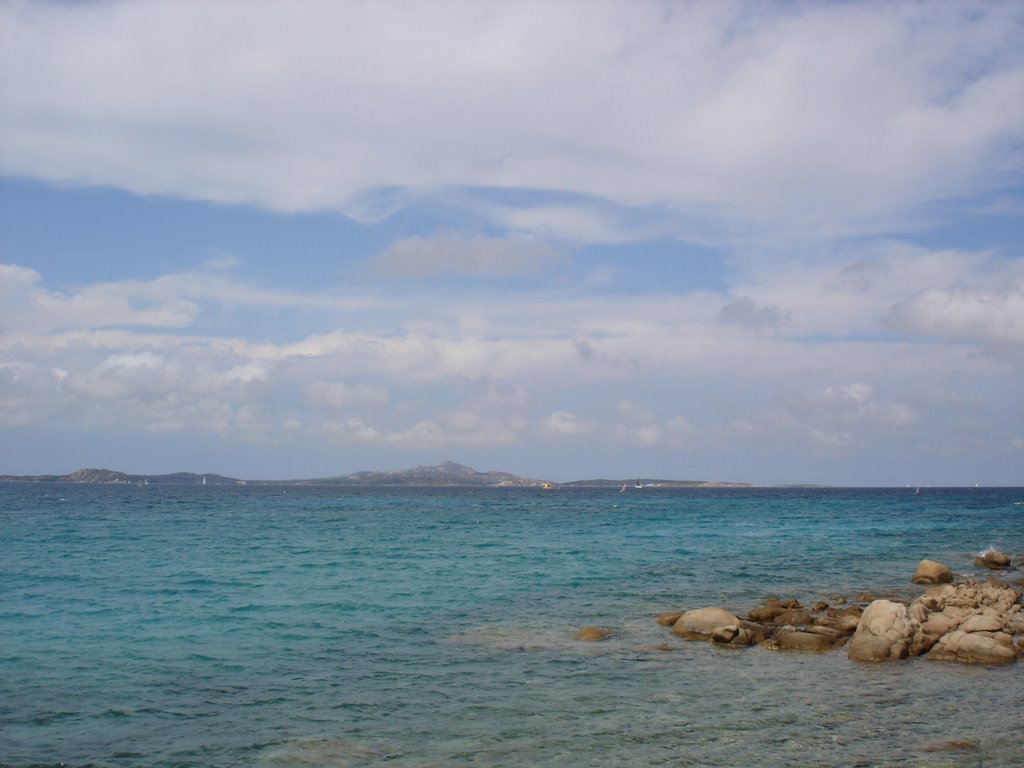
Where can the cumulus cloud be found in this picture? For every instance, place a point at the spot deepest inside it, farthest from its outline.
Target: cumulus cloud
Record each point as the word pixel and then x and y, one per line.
pixel 652 376
pixel 992 316
pixel 855 401
pixel 808 119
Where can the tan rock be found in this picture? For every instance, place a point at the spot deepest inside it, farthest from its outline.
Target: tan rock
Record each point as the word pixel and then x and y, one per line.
pixel 592 634
pixel 939 624
pixel 798 640
pixel 885 632
pixel 758 632
pixel 699 623
pixel 932 572
pixel 765 613
pixel 971 648
pixel 985 620
pixel 846 625
pixel 668 619
pixel 731 634
pixel 771 609
pixel 993 559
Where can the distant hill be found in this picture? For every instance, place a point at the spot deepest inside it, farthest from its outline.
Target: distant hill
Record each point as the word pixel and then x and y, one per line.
pixel 447 474
pixel 109 477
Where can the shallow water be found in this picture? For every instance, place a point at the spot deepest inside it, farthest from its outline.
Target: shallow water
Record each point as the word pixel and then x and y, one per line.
pixel 260 626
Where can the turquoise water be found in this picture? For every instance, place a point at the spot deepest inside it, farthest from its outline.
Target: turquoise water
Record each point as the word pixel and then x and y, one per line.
pixel 259 626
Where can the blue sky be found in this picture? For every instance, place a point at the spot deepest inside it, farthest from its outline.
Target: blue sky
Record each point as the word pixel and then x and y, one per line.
pixel 769 242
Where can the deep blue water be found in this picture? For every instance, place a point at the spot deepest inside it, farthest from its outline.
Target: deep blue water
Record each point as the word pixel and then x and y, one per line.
pixel 269 626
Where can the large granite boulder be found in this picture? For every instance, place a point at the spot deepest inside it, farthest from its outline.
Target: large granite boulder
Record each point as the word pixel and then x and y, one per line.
pixel 700 623
pixel 932 572
pixel 972 648
pixel 885 632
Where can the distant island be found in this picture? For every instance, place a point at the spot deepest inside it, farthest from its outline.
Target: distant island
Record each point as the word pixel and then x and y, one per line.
pixel 447 474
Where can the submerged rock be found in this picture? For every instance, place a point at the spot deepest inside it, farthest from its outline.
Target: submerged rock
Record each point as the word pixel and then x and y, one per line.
pixel 668 619
pixel 592 634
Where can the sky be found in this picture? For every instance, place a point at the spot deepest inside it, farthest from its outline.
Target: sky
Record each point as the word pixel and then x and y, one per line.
pixel 771 242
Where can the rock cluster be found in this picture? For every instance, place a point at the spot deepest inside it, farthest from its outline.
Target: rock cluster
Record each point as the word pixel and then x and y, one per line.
pixel 969 622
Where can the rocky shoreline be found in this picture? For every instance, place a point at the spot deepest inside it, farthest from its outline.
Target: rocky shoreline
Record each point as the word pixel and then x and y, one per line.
pixel 963 620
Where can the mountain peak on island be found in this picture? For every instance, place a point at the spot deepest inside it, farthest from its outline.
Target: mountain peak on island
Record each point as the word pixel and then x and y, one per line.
pixel 446 467
pixel 447 473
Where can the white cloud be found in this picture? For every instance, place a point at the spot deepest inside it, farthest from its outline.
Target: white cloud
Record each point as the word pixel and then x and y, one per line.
pixel 648 377
pixel 565 424
pixel 994 316
pixel 337 394
pixel 809 119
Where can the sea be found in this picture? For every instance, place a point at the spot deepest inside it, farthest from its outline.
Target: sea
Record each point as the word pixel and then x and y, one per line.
pixel 300 626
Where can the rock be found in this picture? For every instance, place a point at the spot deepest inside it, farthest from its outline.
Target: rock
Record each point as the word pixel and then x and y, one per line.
pixel 971 648
pixel 797 640
pixel 985 620
pixel 731 635
pixel 992 559
pixel 820 606
pixel 758 632
pixel 845 625
pixel 592 634
pixel 932 572
pixel 771 609
pixel 939 624
pixel 657 648
pixel 851 610
pixel 948 746
pixel 699 623
pixel 668 619
pixel 794 616
pixel 885 632
pixel 765 613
